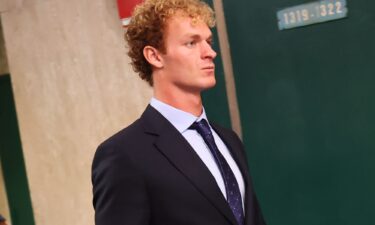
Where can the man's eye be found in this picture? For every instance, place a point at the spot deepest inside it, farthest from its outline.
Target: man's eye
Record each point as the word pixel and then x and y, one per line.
pixel 190 43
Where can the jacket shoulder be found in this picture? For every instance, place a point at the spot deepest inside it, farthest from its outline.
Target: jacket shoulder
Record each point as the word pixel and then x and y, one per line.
pixel 127 135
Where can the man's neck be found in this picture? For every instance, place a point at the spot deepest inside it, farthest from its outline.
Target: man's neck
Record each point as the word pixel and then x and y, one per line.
pixel 191 103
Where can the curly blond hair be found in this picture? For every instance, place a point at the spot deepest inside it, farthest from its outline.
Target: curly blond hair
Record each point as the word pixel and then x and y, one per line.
pixel 148 23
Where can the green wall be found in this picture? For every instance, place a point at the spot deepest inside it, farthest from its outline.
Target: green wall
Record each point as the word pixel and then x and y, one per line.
pixel 12 158
pixel 307 104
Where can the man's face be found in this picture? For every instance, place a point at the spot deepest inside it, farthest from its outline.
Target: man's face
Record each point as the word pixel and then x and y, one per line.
pixel 188 62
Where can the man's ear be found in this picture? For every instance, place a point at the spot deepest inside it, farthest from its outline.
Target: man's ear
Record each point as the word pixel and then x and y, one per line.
pixel 153 56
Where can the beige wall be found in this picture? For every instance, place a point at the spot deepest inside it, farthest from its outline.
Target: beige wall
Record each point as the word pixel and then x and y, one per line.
pixel 73 87
pixel 3 58
pixel 4 208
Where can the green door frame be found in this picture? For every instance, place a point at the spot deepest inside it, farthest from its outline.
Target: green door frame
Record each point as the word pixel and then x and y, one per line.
pixel 216 99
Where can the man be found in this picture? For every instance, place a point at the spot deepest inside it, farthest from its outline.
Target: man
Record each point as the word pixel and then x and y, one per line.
pixel 2 220
pixel 172 167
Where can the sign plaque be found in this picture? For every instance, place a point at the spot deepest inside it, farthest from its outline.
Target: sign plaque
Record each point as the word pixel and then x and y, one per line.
pixel 310 13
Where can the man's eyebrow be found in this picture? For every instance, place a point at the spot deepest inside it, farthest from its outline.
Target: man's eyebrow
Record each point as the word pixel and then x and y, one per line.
pixel 197 36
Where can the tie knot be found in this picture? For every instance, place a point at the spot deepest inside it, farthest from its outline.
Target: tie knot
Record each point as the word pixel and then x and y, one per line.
pixel 202 127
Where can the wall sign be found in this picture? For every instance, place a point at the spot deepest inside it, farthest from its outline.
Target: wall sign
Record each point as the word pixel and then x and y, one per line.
pixel 310 13
pixel 125 9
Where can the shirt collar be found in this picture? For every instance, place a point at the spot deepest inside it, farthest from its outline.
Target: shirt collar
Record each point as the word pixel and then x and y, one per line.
pixel 181 120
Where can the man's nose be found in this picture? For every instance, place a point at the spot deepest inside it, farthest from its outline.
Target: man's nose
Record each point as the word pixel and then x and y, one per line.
pixel 208 52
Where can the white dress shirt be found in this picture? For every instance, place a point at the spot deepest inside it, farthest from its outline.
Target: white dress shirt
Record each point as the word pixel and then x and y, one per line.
pixel 182 121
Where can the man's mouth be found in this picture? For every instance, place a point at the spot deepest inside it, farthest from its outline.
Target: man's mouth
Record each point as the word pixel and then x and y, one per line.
pixel 210 67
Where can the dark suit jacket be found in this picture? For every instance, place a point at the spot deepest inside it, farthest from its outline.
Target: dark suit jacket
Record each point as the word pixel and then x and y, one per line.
pixel 148 174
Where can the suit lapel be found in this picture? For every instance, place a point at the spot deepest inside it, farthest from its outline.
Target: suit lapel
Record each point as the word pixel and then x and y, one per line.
pixel 239 156
pixel 179 152
pixel 235 148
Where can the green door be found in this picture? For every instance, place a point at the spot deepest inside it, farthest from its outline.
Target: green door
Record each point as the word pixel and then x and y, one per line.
pixel 307 104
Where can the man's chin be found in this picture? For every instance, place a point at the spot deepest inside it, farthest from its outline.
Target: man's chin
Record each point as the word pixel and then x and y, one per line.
pixel 209 85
